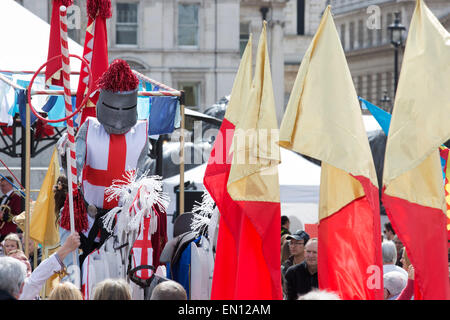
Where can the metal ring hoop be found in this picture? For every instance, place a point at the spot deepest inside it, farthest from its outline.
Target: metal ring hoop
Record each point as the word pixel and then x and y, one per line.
pixel 83 102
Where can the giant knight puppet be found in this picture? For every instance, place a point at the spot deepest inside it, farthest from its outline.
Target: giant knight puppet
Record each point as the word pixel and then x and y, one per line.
pixel 108 146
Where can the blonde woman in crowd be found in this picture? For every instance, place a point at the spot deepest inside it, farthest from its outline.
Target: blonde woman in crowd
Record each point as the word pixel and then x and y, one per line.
pixel 112 289
pixel 12 242
pixel 65 291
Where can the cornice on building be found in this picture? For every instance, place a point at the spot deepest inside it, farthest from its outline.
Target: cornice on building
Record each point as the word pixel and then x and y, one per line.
pixel 357 5
pixel 376 50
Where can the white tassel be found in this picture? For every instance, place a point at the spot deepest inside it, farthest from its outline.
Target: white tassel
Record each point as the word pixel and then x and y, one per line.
pixel 213 223
pixel 108 218
pixel 134 209
pixel 202 214
pixel 121 189
pixel 136 221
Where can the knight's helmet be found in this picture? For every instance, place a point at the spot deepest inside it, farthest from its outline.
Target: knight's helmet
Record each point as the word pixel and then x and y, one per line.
pixel 117 102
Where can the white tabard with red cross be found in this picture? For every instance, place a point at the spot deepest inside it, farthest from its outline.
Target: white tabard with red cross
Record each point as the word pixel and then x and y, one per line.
pixel 142 251
pixel 108 157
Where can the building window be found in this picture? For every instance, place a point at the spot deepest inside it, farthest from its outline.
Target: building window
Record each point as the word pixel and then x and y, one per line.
pixel 380 32
pixel 126 23
pixel 188 24
pixel 359 85
pixel 369 88
pixel 135 65
pixel 388 22
pixel 352 35
pixel 360 34
pixel 192 93
pixel 379 88
pixel 300 17
pixel 244 35
pixel 343 35
pixel 369 38
pixel 389 85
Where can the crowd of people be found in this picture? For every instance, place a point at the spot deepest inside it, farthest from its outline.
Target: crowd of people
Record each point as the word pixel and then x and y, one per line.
pixel 299 266
pixel 22 277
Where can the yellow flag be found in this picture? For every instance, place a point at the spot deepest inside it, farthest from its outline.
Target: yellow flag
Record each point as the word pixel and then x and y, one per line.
pixel 421 114
pixel 241 86
pixel 256 155
pixel 43 228
pixel 323 119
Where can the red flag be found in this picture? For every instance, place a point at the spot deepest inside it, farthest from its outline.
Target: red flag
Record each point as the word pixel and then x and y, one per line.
pixel 215 181
pixel 95 52
pixel 53 69
pixel 247 262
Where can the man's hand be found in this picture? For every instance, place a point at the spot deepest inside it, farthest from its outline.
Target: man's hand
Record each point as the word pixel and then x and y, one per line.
pixel 71 244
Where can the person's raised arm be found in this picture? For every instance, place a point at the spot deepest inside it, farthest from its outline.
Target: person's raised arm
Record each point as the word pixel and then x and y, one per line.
pixel 48 267
pixel 71 244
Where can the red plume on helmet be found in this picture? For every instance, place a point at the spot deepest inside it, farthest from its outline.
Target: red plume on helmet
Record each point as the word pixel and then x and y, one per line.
pixel 66 2
pixel 101 8
pixel 118 77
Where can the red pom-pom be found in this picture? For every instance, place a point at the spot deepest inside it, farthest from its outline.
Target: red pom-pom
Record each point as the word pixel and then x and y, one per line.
pixel 118 77
pixel 79 213
pixel 101 8
pixel 66 3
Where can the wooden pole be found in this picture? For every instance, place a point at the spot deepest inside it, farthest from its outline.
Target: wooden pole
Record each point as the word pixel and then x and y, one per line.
pixel 27 178
pixel 182 153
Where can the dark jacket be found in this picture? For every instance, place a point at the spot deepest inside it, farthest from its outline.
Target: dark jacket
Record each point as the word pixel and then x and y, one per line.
pixel 284 231
pixel 300 281
pixel 14 202
pixel 286 265
pixel 6 296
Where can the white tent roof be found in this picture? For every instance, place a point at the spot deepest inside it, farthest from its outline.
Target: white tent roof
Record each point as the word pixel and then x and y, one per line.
pixel 25 39
pixel 293 172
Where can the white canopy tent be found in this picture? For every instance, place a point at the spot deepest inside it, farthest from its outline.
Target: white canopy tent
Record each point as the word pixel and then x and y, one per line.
pixel 25 39
pixel 299 185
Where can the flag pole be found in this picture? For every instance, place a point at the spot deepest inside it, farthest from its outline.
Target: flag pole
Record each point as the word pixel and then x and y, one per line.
pixel 71 168
pixel 181 190
pixel 27 179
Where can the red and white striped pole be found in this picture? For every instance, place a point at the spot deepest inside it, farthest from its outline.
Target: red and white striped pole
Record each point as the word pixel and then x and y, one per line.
pixel 71 157
pixel 65 73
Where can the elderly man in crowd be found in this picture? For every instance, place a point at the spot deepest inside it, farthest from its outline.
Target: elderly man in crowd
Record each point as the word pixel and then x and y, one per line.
pixel 389 253
pixel 302 278
pixel 14 282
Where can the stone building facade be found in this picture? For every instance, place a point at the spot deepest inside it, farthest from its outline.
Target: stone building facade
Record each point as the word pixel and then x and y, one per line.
pixel 195 45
